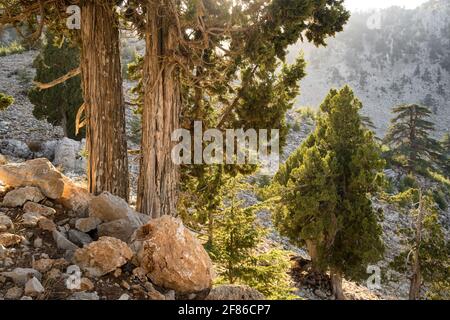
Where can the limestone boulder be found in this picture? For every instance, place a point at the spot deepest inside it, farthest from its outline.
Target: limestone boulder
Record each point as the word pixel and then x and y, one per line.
pixel 87 224
pixel 5 223
pixel 31 219
pixel 33 207
pixel 172 256
pixel 103 256
pixel 42 174
pixel 38 173
pixel 108 207
pixel 33 287
pixel 121 229
pixel 67 155
pixel 18 197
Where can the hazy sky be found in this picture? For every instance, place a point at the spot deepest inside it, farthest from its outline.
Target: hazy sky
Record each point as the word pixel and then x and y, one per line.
pixel 371 4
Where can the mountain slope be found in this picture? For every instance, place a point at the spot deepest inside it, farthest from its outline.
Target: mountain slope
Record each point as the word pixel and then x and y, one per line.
pixel 404 57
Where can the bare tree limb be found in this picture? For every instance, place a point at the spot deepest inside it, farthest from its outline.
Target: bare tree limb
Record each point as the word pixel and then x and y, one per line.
pixel 67 76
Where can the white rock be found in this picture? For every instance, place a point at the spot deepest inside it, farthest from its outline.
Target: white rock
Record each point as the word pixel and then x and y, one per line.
pixel 67 155
pixel 124 297
pixel 33 287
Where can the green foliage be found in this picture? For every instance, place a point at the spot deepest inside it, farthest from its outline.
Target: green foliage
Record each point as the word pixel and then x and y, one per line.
pixel 128 55
pixel 403 198
pixel 268 273
pixel 24 76
pixel 237 236
pixel 297 126
pixel 439 198
pixel 434 249
pixel 439 290
pixel 5 101
pixel 410 138
pixel 134 73
pixel 307 113
pixel 136 130
pixel 12 48
pixel 439 178
pixel 248 84
pixel 325 186
pixel 407 182
pixel 59 104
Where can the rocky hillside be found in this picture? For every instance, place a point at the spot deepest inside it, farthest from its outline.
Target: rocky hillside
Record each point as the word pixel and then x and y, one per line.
pixel 389 57
pixel 59 242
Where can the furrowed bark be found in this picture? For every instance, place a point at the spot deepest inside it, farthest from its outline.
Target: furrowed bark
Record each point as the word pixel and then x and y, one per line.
pixel 336 285
pixel 159 176
pixel 103 98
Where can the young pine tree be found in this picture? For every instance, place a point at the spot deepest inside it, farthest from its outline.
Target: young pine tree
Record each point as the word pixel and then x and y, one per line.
pixel 427 257
pixel 410 137
pixel 59 104
pixel 237 237
pixel 325 190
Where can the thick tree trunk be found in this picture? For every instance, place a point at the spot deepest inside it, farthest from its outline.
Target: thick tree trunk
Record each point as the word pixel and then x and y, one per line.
pixel 312 251
pixel 336 285
pixel 416 283
pixel 103 97
pixel 158 178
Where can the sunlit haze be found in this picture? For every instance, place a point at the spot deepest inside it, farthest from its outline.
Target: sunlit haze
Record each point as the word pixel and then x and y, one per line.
pixel 360 5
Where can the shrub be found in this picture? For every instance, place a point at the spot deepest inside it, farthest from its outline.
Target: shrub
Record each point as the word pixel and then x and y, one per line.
pixel 12 48
pixel 5 101
pixel 439 198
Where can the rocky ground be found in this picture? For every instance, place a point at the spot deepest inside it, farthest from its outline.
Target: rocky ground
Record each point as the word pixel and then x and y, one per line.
pixel 40 233
pixel 17 122
pixel 59 242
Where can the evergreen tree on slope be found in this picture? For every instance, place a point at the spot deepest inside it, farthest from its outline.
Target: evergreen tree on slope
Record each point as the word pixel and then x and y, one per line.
pixel 325 192
pixel 410 137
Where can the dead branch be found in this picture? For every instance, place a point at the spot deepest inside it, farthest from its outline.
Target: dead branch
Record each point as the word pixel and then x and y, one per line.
pixel 67 76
